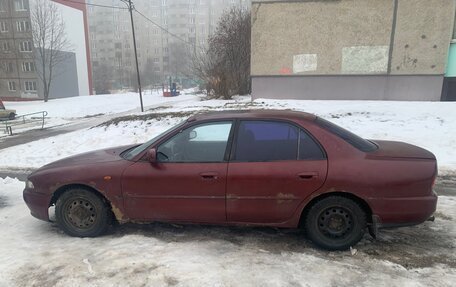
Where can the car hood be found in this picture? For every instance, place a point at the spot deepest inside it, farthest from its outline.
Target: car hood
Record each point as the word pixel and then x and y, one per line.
pixel 98 156
pixel 394 149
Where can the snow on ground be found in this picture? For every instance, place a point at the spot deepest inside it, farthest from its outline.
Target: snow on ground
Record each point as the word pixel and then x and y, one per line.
pixel 37 253
pixel 84 106
pixel 430 125
pixel 73 110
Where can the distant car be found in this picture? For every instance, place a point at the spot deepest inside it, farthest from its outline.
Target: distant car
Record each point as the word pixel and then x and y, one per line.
pixel 6 114
pixel 269 168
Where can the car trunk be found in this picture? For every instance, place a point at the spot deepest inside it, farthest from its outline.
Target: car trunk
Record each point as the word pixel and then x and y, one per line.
pixel 393 149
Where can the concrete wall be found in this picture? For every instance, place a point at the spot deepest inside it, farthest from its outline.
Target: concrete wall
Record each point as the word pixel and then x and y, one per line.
pixel 322 28
pixel 65 81
pixel 423 33
pixel 368 87
pixel 404 43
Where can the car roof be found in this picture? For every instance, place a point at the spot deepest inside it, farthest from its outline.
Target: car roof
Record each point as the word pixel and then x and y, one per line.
pixel 253 114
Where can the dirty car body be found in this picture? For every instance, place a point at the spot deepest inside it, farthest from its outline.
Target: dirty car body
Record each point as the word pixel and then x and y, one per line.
pixel 271 168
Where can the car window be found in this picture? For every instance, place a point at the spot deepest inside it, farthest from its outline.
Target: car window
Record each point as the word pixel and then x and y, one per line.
pixel 130 154
pixel 308 148
pixel 266 141
pixel 356 141
pixel 201 143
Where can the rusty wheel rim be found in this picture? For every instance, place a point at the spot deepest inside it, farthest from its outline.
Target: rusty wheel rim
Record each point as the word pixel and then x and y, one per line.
pixel 81 213
pixel 335 222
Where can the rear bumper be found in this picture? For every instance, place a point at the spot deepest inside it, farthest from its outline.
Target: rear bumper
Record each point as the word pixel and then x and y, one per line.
pixel 403 211
pixel 38 203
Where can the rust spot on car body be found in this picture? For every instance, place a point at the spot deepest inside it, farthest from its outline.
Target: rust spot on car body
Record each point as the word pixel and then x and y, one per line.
pixel 118 214
pixel 285 197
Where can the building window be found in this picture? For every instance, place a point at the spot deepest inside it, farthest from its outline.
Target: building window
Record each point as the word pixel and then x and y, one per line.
pixel 5 46
pixel 3 27
pixel 21 5
pixel 23 26
pixel 192 20
pixel 3 5
pixel 28 66
pixel 30 86
pixel 7 67
pixel 26 46
pixel 12 86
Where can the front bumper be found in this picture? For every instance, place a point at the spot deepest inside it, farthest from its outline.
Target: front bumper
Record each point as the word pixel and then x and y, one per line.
pixel 38 203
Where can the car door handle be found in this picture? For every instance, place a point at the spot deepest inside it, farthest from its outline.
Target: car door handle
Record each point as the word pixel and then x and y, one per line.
pixel 307 175
pixel 209 175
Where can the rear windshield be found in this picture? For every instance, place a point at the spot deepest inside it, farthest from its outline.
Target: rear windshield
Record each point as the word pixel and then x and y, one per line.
pixel 351 138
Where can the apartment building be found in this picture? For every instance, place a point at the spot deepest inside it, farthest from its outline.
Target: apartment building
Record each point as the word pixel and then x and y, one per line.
pixel 18 77
pixel 162 51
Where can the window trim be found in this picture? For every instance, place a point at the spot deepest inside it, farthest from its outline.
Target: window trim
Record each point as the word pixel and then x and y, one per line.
pixel 298 126
pixel 9 86
pixel 32 84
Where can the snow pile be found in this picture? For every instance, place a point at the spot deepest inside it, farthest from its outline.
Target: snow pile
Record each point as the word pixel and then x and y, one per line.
pixel 36 253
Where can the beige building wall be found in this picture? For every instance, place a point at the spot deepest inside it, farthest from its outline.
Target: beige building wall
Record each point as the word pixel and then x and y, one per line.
pixel 281 31
pixel 350 46
pixel 423 32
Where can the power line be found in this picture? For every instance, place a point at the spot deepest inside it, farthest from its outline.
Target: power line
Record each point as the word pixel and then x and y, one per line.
pixel 164 29
pixel 96 5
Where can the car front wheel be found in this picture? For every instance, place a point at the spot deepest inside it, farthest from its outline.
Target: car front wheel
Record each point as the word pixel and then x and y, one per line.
pixel 82 213
pixel 335 223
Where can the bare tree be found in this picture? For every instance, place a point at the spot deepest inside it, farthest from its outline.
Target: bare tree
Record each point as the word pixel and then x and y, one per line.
pixel 224 66
pixel 50 40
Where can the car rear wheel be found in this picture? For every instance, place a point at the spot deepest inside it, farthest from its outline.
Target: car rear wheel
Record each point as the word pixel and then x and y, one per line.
pixel 82 213
pixel 335 223
pixel 12 116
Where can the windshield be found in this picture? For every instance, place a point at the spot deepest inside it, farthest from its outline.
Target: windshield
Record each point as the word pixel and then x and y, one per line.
pixel 356 141
pixel 130 154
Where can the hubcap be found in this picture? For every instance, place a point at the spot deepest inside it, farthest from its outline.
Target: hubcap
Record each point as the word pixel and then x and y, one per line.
pixel 335 222
pixel 81 213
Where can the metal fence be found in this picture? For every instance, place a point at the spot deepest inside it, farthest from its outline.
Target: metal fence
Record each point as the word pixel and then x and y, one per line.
pixel 22 120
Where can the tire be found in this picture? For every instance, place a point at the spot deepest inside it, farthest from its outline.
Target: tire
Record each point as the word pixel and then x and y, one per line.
pixel 82 213
pixel 12 116
pixel 335 223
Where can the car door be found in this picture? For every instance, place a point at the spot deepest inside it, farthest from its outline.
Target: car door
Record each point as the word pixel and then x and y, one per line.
pixel 188 181
pixel 273 167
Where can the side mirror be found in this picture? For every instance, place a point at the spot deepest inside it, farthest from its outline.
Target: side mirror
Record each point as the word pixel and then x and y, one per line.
pixel 152 155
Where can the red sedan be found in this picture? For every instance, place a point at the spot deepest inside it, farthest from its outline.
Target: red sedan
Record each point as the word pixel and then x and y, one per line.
pixel 271 168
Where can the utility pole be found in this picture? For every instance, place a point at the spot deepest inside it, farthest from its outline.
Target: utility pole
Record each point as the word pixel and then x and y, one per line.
pixel 130 8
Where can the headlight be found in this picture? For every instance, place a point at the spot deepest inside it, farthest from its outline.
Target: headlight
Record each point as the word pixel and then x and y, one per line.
pixel 29 184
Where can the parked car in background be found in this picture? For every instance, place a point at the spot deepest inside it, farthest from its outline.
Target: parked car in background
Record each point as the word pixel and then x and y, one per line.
pixel 270 168
pixel 6 113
